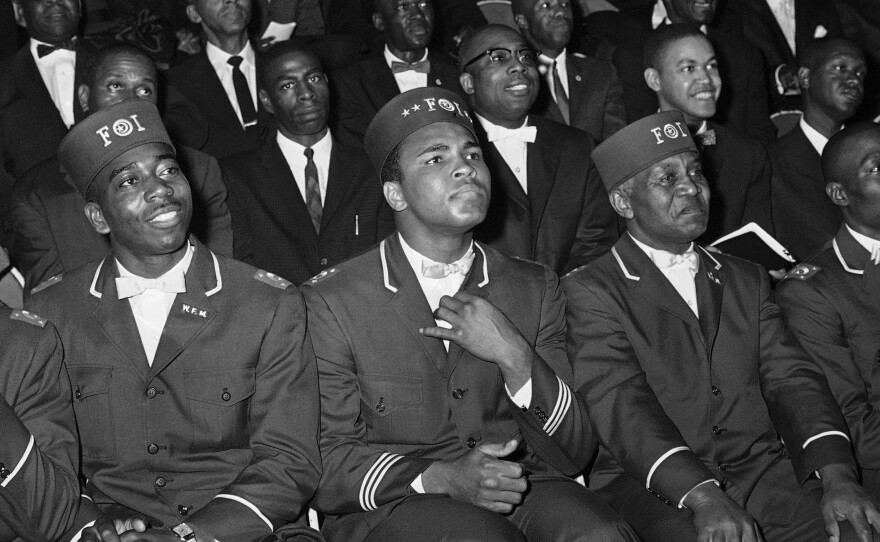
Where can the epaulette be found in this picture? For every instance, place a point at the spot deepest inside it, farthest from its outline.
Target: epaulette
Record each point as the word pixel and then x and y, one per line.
pixel 322 275
pixel 27 318
pixel 46 283
pixel 802 271
pixel 271 279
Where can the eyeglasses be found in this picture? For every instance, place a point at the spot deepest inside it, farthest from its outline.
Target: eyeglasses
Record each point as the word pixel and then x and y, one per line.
pixel 500 55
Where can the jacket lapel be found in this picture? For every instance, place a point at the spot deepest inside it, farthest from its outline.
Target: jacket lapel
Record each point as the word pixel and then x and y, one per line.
pixel 856 260
pixel 282 193
pixel 576 90
pixel 710 280
pixel 339 181
pixel 542 166
pixel 502 176
pixel 381 85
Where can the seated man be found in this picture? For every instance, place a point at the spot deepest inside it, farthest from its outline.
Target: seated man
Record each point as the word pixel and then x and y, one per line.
pixel 195 389
pixel 445 386
pixel 689 373
pixel 548 203
pixel 39 455
pixel 832 80
pixel 302 202
pixel 832 301
pixel 51 233
pixel 683 71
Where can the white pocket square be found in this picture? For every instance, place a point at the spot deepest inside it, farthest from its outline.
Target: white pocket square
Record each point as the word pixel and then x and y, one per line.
pixel 820 32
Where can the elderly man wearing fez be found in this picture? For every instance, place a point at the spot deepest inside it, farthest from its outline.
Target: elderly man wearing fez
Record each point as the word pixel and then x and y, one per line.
pixel 548 203
pixel 690 375
pixel 832 301
pixel 448 411
pixel 194 382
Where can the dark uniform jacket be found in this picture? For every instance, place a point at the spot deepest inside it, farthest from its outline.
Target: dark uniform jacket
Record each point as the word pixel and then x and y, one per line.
pixel 595 97
pixel 273 228
pixel 52 234
pixel 565 220
pixel 393 401
pixel 221 431
pixel 39 452
pixel 657 378
pixel 360 91
pixel 832 304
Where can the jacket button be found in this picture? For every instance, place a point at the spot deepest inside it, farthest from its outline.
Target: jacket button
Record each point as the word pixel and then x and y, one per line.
pixel 717 430
pixel 877 357
pixel 715 391
pixel 4 472
pixel 471 442
pixel 151 393
pixel 458 393
pixel 723 466
pixel 183 510
pixel 323 261
pixel 152 449
pixel 77 394
pixel 226 395
pixel 380 406
pixel 160 482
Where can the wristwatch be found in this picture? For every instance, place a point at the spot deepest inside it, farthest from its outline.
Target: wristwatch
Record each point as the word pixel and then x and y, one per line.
pixel 184 532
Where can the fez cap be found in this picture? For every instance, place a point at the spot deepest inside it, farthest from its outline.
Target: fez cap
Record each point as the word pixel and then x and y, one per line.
pixel 106 134
pixel 408 112
pixel 640 145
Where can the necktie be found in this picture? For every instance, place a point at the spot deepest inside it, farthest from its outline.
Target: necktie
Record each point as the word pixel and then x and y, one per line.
pixel 313 190
pixel 436 270
pixel 173 283
pixel 242 93
pixel 422 66
pixel 526 134
pixel 43 50
pixel 561 96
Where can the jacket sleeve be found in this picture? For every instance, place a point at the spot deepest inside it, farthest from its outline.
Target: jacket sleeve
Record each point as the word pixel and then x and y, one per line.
pixel 283 424
pixel 39 450
pixel 353 114
pixel 212 223
pixel 615 111
pixel 758 208
pixel 242 241
pixel 33 250
pixel 598 228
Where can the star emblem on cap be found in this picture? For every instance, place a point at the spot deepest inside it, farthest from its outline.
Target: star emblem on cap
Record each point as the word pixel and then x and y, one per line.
pixel 405 113
pixel 416 107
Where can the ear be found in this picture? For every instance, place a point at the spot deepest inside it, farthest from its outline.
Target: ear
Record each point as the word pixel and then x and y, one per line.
pixel 467 82
pixel 521 22
pixel 394 196
pixel 621 204
pixel 96 217
pixel 838 194
pixel 19 13
pixel 378 22
pixel 193 14
pixel 652 78
pixel 83 94
pixel 265 101
pixel 803 75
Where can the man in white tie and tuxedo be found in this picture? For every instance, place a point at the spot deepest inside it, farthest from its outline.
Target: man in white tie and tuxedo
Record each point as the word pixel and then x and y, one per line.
pixel 194 382
pixel 548 203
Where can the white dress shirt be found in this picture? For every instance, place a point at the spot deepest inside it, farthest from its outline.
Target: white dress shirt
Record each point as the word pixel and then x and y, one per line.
pixel 58 70
pixel 514 151
pixel 407 80
pixel 151 308
pixel 294 153
pixel 817 140
pixel 545 66
pixel 783 12
pixel 219 59
pixel 682 279
pixel 871 245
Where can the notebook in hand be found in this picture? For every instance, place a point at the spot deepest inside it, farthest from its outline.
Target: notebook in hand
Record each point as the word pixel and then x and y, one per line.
pixel 753 243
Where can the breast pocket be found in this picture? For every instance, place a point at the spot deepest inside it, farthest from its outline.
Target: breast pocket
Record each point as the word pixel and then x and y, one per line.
pixel 392 406
pixel 219 403
pixel 91 403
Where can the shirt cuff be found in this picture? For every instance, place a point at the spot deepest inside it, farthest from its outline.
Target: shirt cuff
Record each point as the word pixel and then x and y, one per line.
pixel 825 434
pixel 704 482
pixel 24 456
pixel 522 398
pixel 417 484
pixel 79 533
pixel 661 460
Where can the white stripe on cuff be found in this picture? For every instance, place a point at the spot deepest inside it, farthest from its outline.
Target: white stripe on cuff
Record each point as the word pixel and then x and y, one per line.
pixel 825 434
pixel 367 495
pixel 24 456
pixel 661 460
pixel 563 403
pixel 249 504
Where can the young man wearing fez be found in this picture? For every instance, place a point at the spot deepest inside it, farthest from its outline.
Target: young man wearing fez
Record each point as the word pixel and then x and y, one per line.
pixel 548 203
pixel 194 382
pixel 831 300
pixel 447 406
pixel 690 375
pixel 39 450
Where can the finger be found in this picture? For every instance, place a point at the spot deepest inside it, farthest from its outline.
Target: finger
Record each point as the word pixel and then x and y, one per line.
pixel 758 536
pixel 454 318
pixel 831 527
pixel 507 469
pixel 499 449
pixel 465 297
pixel 507 497
pixel 452 303
pixel 438 332
pixel 873 517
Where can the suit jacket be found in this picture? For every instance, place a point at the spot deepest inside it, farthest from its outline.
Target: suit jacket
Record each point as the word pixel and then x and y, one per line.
pixel 273 228
pixel 221 430
pixel 52 234
pixel 566 220
pixel 804 216
pixel 360 91
pixel 657 378
pixel 394 401
pixel 31 128
pixel 738 171
pixel 196 80
pixel 38 502
pixel 595 99
pixel 833 307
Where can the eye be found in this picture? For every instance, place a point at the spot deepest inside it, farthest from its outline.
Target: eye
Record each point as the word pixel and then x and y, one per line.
pixel 114 86
pixel 145 92
pixel 475 155
pixel 687 69
pixel 287 86
pixel 316 78
pixel 128 181
pixel 171 170
pixel 713 66
pixel 434 160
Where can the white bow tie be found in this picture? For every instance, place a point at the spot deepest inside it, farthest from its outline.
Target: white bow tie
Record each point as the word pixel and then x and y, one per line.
pixel 436 270
pixel 526 134
pixel 688 260
pixel 173 283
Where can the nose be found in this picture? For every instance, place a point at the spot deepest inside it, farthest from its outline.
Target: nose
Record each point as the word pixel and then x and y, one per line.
pixel 688 187
pixel 462 168
pixel 158 188
pixel 306 93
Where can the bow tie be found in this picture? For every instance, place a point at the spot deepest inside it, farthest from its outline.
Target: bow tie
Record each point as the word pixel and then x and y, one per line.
pixel 172 283
pixel 707 138
pixel 689 260
pixel 422 66
pixel 526 134
pixel 43 50
pixel 435 270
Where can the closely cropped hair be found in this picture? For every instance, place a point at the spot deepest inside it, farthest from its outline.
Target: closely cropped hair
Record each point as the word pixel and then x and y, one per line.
pixel 93 61
pixel 264 60
pixel 662 38
pixel 391 171
pixel 817 51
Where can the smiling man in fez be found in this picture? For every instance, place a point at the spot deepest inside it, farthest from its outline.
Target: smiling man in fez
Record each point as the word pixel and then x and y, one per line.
pixel 185 365
pixel 447 407
pixel 689 373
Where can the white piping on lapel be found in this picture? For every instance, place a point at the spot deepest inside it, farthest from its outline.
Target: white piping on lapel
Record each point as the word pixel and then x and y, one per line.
pixel 485 266
pixel 706 252
pixel 623 268
pixel 843 262
pixel 92 290
pixel 219 286
pixel 385 277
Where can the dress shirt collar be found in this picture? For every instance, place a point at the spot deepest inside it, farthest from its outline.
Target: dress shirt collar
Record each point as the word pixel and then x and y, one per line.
pixel 390 57
pixel 416 260
pixel 290 147
pixel 661 16
pixel 219 58
pixel 659 257
pixel 871 245
pixel 817 140
pixel 492 128
pixel 182 265
pixel 547 62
